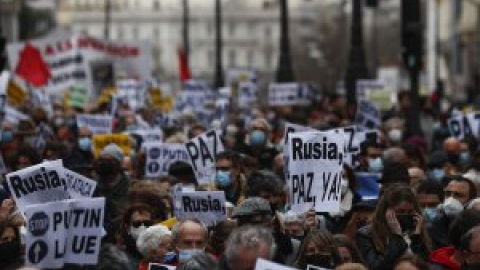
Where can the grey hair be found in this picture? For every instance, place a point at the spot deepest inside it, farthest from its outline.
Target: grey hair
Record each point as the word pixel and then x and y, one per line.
pixel 291 216
pixel 250 237
pixel 177 227
pixel 151 238
pixel 393 155
pixel 200 261
pixel 112 258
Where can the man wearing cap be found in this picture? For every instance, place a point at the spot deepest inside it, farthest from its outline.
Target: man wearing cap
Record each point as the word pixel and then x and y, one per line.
pixel 257 211
pixel 112 184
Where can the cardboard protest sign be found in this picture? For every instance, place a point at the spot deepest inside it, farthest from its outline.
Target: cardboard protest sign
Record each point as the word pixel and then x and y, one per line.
pixel 84 61
pixel 289 129
pixel 288 94
pixel 263 264
pixel 41 183
pixel 368 115
pixel 64 232
pixel 97 124
pixel 16 95
pixel 463 126
pixel 194 95
pixel 159 266
pixel 134 92
pixel 149 135
pixel 79 186
pixel 376 92
pixel 202 151
pixel 14 116
pixel 206 206
pixel 99 142
pixel 247 94
pixel 161 155
pixel 315 164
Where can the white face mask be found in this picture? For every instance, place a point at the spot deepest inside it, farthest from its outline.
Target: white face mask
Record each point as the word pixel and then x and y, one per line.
pixel 344 186
pixel 452 207
pixel 395 135
pixel 135 232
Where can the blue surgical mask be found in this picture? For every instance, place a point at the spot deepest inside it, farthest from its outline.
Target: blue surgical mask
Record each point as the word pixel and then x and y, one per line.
pixel 375 164
pixel 169 257
pixel 429 213
pixel 85 144
pixel 132 127
pixel 186 254
pixel 258 137
pixel 464 158
pixel 437 174
pixel 7 136
pixel 222 179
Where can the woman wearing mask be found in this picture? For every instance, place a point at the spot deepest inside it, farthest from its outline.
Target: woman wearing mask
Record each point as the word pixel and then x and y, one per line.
pixel 155 245
pixel 396 230
pixel 347 250
pixel 137 219
pixel 318 249
pixel 10 248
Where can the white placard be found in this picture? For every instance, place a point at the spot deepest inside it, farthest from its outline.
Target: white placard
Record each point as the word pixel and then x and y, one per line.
pixel 247 94
pixel 160 156
pixel 315 165
pixel 263 264
pixel 462 126
pixel 368 115
pixel 206 206
pixel 64 232
pixel 97 124
pixel 288 94
pixel 202 151
pixel 79 186
pixel 41 183
pixel 149 135
pixel 133 91
pixel 159 266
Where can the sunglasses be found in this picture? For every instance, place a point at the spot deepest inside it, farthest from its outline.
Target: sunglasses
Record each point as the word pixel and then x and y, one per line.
pixel 146 223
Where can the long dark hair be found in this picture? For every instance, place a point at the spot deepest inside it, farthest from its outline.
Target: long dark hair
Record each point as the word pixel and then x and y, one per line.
pixel 320 237
pixel 393 196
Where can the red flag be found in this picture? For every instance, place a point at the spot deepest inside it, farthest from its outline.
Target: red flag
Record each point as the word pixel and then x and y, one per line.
pixel 31 66
pixel 183 65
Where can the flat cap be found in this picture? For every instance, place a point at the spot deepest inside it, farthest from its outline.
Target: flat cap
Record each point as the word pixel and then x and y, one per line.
pixel 252 206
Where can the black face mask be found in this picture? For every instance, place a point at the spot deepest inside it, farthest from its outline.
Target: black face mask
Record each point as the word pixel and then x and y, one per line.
pixel 406 222
pixel 320 260
pixel 106 167
pixel 452 158
pixel 9 253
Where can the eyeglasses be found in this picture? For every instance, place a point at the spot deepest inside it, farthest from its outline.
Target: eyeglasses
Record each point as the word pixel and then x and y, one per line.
pixel 146 223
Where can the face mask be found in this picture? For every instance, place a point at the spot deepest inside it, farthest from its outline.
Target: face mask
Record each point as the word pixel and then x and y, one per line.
pixel 464 158
pixel 135 232
pixel 169 257
pixel 437 174
pixel 452 158
pixel 85 144
pixel 395 135
pixel 407 223
pixel 7 136
pixel 320 260
pixel 452 207
pixel 429 213
pixel 344 186
pixel 106 167
pixel 257 138
pixel 222 179
pixel 186 254
pixel 375 164
pixel 12 249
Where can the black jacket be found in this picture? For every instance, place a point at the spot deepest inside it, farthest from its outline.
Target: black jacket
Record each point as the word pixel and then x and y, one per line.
pixel 395 248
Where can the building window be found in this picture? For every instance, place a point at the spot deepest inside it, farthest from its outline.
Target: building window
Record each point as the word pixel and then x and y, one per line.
pixel 250 55
pixel 232 58
pixel 156 5
pixel 156 32
pixel 231 29
pixel 268 59
pixel 135 32
pixel 120 33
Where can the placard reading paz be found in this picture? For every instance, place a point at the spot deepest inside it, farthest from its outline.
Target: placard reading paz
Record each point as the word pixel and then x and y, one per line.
pixel 315 164
pixel 202 151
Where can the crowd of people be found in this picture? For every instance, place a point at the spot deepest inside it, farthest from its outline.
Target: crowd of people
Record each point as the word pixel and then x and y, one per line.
pixel 426 216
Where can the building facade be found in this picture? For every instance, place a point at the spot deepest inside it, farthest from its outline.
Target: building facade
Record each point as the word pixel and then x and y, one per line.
pixel 251 30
